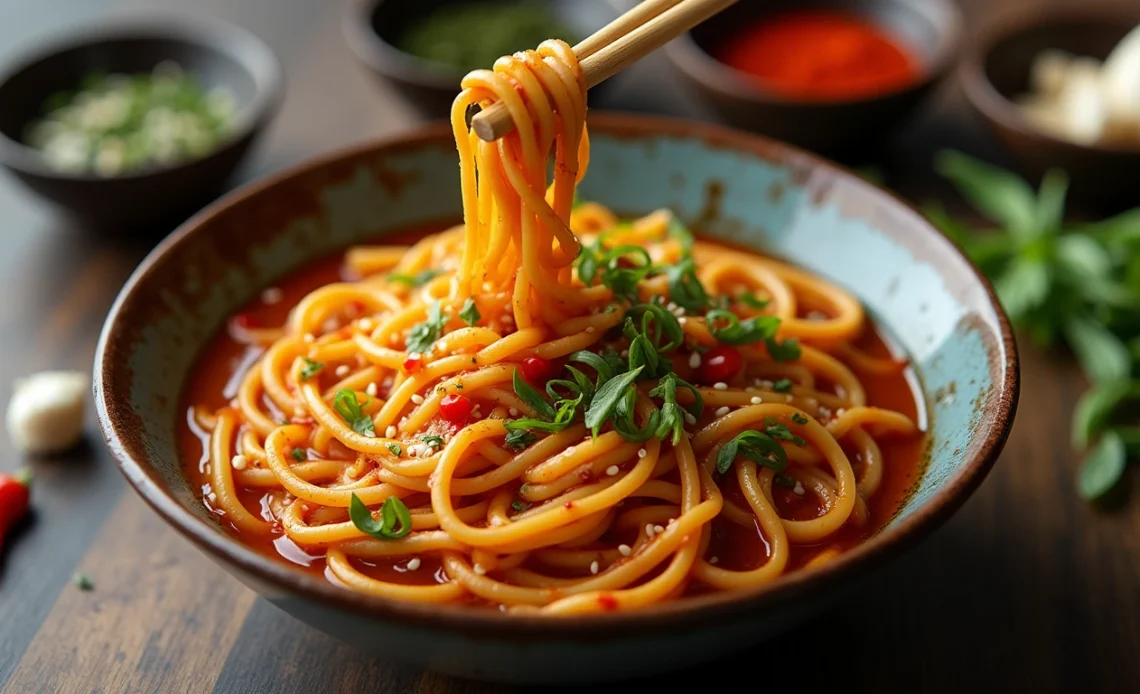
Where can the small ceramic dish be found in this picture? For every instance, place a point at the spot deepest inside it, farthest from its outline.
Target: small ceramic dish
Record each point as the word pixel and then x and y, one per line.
pixel 918 287
pixel 997 71
pixel 845 129
pixel 373 29
pixel 219 54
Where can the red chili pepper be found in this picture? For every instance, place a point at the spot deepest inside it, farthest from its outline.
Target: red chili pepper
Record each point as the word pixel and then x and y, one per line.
pixel 413 362
pixel 720 364
pixel 607 602
pixel 456 408
pixel 15 493
pixel 538 371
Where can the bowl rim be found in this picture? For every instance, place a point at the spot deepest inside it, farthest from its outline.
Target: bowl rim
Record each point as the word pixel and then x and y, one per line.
pixel 985 97
pixel 701 66
pixel 996 420
pixel 237 43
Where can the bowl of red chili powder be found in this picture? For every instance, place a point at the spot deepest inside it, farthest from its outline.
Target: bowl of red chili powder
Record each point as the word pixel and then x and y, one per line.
pixel 834 77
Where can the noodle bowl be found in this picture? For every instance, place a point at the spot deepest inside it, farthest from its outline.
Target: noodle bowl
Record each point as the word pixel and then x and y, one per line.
pixel 548 408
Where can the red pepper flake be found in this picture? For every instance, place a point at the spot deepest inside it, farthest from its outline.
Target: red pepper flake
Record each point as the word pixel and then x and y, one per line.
pixel 413 362
pixel 358 307
pixel 608 602
pixel 569 505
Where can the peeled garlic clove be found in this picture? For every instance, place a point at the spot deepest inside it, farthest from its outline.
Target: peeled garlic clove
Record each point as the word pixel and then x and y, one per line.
pixel 1049 71
pixel 45 414
pixel 1081 108
pixel 1120 78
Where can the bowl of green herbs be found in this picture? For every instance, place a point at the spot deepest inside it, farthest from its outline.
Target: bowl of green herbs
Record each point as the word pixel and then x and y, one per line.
pixel 425 47
pixel 136 122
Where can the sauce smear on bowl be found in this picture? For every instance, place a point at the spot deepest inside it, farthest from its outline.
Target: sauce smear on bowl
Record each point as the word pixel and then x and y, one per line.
pixel 818 54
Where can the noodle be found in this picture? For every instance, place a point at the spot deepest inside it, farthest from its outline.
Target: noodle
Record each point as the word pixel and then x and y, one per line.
pixel 553 409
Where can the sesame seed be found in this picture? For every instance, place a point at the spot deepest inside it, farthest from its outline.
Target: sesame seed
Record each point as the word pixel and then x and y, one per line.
pixel 414 450
pixel 613 470
pixel 513 412
pixel 714 560
pixel 756 400
pixel 682 320
pixel 690 419
pixel 591 329
pixel 366 325
pixel 695 360
pixel 238 462
pixel 649 530
pixel 478 569
pixel 371 389
pixel 271 295
pixel 658 529
pixel 722 411
pixel 625 550
pixel 720 385
pixel 672 306
pixel 413 563
pixel 417 398
pixel 308 337
pixel 679 312
pixel 641 453
pixel 671 521
pixel 342 370
pixel 390 432
pixel 496 521
pixel 594 567
pixel 799 489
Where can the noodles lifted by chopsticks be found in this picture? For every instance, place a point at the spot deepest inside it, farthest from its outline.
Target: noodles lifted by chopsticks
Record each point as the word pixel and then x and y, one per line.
pixel 552 409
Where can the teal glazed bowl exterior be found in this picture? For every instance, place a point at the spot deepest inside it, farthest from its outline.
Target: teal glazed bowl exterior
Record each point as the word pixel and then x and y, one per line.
pixel 741 188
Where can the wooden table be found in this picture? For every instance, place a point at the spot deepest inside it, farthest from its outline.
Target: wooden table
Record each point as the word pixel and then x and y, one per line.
pixel 1025 590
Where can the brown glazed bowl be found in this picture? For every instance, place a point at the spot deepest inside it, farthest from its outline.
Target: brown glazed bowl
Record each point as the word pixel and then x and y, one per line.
pixel 221 54
pixel 373 29
pixel 997 70
pixel 752 191
pixel 848 130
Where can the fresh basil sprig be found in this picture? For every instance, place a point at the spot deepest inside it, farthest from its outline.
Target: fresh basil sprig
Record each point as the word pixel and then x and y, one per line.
pixel 395 520
pixel 423 335
pixel 346 405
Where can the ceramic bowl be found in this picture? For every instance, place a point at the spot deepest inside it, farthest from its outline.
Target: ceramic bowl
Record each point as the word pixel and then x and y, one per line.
pixel 373 29
pixel 852 129
pixel 221 54
pixel 922 291
pixel 997 70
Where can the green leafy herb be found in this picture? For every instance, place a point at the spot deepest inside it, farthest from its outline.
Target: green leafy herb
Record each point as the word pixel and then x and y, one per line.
pixel 519 438
pixel 299 455
pixel 788 350
pixel 754 445
pixel 309 368
pixel 83 582
pixel 470 312
pixel 780 432
pixel 1061 283
pixel 606 399
pixel 784 385
pixel 346 405
pixel 423 335
pixel 532 397
pixel 751 301
pixel 728 329
pixel 396 449
pixel 519 506
pixel 685 288
pixel 799 419
pixel 395 521
pixel 784 481
pixel 417 280
pixel 672 420
pixel 432 440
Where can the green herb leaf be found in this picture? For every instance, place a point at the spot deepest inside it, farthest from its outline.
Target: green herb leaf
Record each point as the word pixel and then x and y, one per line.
pixel 751 301
pixel 396 449
pixel 423 335
pixel 754 445
pixel 788 350
pixel 417 280
pixel 309 368
pixel 1102 468
pixel 1023 287
pixel 784 385
pixel 395 520
pixel 532 397
pixel 998 194
pixel 346 405
pixel 432 440
pixel 299 455
pixel 596 362
pixel 519 506
pixel 1094 410
pixel 607 398
pixel 784 481
pixel 82 582
pixel 1103 356
pixel 1051 201
pixel 799 419
pixel 685 289
pixel 519 438
pixel 781 432
pixel 469 314
pixel 728 329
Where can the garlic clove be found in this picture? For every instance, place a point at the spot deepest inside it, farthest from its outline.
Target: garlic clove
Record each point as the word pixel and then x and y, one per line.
pixel 45 414
pixel 1120 78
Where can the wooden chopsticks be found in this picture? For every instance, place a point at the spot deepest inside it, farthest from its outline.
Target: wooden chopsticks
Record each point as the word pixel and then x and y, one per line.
pixel 640 31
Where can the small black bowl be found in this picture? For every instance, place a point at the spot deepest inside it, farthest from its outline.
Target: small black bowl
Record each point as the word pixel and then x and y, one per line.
pixel 220 54
pixel 849 130
pixel 373 29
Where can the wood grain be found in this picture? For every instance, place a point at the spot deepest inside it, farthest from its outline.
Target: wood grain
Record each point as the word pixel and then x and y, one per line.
pixel 1026 589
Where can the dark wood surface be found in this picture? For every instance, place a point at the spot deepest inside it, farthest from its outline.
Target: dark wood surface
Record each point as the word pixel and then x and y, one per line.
pixel 1025 590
